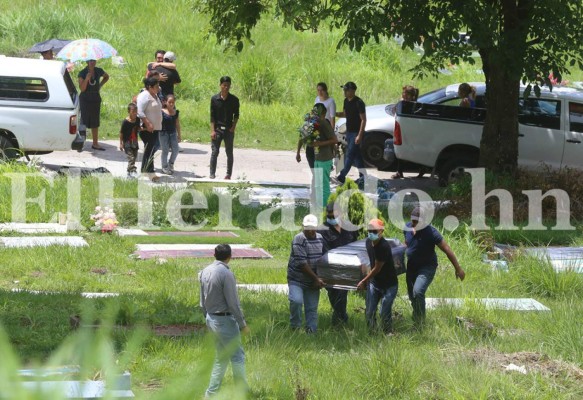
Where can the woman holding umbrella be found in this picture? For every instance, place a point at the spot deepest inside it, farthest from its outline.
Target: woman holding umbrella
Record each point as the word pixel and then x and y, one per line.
pixel 91 79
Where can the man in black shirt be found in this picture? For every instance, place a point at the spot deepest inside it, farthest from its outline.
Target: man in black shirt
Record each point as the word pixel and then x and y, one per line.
pixel 355 113
pixel 335 236
pixel 382 279
pixel 172 75
pixel 224 117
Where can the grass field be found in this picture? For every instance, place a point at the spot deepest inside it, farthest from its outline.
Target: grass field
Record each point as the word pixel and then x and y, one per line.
pixel 446 360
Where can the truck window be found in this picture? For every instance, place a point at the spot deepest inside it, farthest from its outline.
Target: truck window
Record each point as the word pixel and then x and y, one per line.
pixel 70 86
pixel 576 117
pixel 540 112
pixel 25 89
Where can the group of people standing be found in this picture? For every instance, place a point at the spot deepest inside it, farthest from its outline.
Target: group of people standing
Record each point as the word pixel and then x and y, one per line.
pixel 320 153
pixel 154 118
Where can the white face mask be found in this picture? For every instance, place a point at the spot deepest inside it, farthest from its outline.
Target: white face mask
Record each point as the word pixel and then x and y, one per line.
pixel 332 221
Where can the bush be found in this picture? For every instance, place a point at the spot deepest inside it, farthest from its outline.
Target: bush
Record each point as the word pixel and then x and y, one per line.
pixel 568 180
pixel 360 208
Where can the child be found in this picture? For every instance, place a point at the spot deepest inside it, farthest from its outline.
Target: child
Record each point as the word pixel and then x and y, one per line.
pixel 128 138
pixel 169 134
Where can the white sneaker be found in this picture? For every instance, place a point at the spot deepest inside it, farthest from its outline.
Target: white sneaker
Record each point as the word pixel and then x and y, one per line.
pixel 166 171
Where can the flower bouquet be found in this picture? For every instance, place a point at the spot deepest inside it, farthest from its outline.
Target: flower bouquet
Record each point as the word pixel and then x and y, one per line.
pixel 105 219
pixel 309 130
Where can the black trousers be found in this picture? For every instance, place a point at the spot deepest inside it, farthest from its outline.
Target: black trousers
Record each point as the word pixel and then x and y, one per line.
pixel 149 139
pixel 229 138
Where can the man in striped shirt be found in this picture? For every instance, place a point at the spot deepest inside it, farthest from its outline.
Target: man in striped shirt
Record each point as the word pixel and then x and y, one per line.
pixel 304 285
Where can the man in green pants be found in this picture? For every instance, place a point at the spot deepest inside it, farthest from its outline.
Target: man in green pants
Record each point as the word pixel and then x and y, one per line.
pixel 324 151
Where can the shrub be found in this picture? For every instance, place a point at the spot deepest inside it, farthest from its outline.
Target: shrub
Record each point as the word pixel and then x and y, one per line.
pixel 360 208
pixel 545 179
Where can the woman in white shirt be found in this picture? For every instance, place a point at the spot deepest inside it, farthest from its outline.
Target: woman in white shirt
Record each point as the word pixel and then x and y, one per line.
pixel 324 98
pixel 150 113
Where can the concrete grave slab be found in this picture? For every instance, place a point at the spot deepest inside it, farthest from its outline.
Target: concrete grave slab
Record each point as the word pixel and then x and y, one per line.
pixel 120 388
pixel 42 241
pixel 139 232
pixel 130 232
pixel 87 295
pixel 256 183
pixel 265 195
pixel 33 228
pixel 561 258
pixel 147 251
pixel 490 303
pixel 277 288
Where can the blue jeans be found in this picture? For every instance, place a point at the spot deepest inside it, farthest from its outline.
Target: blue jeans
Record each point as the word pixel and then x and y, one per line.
pixel 228 348
pixel 353 156
pixel 338 300
pixel 168 140
pixel 308 299
pixel 386 297
pixel 418 280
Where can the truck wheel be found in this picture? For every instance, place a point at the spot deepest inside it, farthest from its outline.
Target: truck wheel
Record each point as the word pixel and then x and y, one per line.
pixel 453 168
pixel 373 148
pixel 7 149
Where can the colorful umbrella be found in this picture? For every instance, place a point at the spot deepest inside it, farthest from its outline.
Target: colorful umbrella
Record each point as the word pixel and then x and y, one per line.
pixel 51 44
pixel 86 49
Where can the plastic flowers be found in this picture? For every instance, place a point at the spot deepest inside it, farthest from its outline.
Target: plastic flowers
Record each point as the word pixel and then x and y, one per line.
pixel 309 130
pixel 105 219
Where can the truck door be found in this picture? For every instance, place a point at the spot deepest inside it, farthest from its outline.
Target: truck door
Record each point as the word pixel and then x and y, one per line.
pixel 573 154
pixel 540 137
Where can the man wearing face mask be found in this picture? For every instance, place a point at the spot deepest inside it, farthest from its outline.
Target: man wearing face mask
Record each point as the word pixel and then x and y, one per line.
pixel 421 239
pixel 304 284
pixel 335 236
pixel 382 279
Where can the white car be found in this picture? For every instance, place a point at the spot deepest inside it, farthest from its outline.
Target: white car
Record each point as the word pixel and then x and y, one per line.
pixel 39 107
pixel 380 123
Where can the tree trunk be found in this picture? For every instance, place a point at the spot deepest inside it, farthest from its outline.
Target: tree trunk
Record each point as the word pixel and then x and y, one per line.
pixel 499 144
pixel 503 67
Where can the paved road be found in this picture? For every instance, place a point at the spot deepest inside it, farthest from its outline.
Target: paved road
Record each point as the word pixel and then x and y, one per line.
pixel 193 162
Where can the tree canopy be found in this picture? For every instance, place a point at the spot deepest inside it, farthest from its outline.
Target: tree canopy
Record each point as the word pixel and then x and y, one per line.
pixel 518 40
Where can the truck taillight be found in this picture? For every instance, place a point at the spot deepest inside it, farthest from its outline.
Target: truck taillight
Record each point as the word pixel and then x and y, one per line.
pixel 73 124
pixel 397 138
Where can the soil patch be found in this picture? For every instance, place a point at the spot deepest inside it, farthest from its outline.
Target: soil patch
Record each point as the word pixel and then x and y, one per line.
pixel 533 362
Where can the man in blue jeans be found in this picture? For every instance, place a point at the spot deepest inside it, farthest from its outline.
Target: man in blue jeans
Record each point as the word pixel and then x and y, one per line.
pixel 421 239
pixel 355 113
pixel 220 305
pixel 382 279
pixel 304 285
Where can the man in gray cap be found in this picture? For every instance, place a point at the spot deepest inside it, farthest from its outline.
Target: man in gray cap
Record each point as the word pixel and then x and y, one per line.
pixel 173 77
pixel 355 113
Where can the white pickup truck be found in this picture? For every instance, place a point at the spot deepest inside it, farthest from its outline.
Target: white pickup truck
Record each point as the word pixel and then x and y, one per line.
pixel 447 137
pixel 39 106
